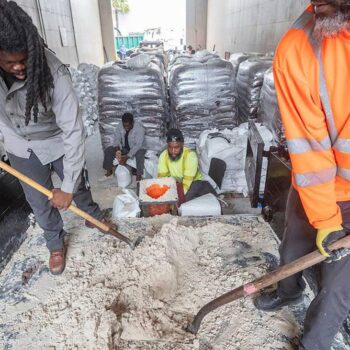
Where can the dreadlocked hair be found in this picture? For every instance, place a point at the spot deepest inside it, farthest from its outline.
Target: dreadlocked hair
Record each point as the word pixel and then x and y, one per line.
pixel 19 34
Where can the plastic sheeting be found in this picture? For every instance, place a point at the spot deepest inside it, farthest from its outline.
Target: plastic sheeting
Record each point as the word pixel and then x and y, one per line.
pixel 85 86
pixel 237 58
pixel 249 81
pixel 91 74
pixel 156 56
pixel 201 94
pixel 269 113
pixel 231 147
pixel 137 87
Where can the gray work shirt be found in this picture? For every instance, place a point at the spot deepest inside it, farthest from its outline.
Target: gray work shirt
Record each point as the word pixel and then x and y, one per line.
pixel 59 130
pixel 136 137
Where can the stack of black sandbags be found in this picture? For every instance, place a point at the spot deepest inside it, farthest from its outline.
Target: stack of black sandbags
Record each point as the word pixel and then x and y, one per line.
pixel 269 113
pixel 136 86
pixel 201 94
pixel 249 81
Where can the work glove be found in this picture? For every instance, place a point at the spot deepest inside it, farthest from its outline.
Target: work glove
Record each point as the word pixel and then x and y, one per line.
pixel 325 237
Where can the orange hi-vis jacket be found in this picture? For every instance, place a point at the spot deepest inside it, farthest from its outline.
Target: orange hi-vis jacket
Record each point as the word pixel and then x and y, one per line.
pixel 312 79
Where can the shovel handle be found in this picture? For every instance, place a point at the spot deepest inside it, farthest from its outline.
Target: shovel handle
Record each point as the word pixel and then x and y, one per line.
pixel 49 195
pixel 72 207
pixel 267 280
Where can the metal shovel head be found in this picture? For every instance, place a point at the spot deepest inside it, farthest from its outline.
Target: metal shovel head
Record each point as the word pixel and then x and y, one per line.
pixel 138 241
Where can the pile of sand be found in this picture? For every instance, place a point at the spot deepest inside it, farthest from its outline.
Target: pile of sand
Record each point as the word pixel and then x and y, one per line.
pixel 110 297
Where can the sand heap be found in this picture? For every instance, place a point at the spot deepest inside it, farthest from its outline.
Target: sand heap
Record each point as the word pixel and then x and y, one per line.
pixel 110 297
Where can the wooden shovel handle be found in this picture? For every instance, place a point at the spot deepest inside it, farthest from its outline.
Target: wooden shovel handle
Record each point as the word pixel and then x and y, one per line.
pixel 49 195
pixel 265 281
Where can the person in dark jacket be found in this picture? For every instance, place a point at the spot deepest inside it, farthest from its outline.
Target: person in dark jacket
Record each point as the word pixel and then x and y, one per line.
pixel 129 140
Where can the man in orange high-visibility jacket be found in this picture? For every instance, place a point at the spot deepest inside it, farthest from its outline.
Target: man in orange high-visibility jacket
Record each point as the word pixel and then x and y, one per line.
pixel 312 78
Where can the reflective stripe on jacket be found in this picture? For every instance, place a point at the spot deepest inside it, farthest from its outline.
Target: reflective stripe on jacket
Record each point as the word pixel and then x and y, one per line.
pixel 312 78
pixel 185 170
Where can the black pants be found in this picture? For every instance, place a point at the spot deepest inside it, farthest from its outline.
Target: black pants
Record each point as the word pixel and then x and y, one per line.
pixel 331 306
pixel 199 188
pixel 109 155
pixel 49 218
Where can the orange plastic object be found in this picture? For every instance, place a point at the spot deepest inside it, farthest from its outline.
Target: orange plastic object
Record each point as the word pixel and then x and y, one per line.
pixel 155 190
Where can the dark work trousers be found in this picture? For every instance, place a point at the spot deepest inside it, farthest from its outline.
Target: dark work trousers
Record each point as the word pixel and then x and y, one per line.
pixel 199 188
pixel 331 306
pixel 49 218
pixel 109 156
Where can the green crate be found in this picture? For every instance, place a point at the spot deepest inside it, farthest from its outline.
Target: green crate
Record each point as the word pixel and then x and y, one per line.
pixel 128 41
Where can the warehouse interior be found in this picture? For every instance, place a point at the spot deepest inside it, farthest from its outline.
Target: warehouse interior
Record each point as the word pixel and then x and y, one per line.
pixel 143 283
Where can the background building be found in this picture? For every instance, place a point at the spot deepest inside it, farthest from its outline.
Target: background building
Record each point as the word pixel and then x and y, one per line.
pixel 168 16
pixel 74 29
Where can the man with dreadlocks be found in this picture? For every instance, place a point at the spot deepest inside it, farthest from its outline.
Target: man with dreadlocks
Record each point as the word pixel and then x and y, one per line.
pixel 312 78
pixel 41 126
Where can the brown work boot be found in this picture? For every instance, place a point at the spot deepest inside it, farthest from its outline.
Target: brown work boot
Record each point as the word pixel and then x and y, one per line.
pixel 105 220
pixel 57 261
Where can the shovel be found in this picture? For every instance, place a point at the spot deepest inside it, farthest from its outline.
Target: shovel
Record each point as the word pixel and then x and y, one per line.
pixel 264 281
pixel 74 209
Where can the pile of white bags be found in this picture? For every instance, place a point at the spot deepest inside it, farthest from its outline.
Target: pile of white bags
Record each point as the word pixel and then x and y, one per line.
pixel 137 87
pixel 207 205
pixel 91 74
pixel 269 113
pixel 126 205
pixel 84 85
pixel 249 81
pixel 231 147
pixel 123 176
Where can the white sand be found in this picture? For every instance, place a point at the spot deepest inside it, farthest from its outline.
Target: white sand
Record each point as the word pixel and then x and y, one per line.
pixel 110 297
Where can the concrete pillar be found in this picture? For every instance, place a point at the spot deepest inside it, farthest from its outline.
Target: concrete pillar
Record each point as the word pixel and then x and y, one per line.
pixel 88 32
pixel 196 23
pixel 108 39
pixel 254 25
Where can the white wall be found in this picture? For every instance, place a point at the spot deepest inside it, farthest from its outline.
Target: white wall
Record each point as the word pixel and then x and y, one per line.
pixel 250 25
pixel 81 22
pixel 106 20
pixel 86 21
pixel 196 23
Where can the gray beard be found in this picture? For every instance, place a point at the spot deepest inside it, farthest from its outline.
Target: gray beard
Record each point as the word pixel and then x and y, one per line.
pixel 331 26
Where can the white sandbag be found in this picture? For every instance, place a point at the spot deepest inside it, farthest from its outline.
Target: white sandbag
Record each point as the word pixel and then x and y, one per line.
pixel 233 153
pixel 126 205
pixel 123 176
pixel 151 165
pixel 216 145
pixel 207 205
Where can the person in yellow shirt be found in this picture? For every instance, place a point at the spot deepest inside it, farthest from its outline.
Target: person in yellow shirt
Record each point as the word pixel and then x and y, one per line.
pixel 181 163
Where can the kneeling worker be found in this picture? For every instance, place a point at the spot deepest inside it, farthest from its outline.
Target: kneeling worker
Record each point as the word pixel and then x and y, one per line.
pixel 128 143
pixel 181 163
